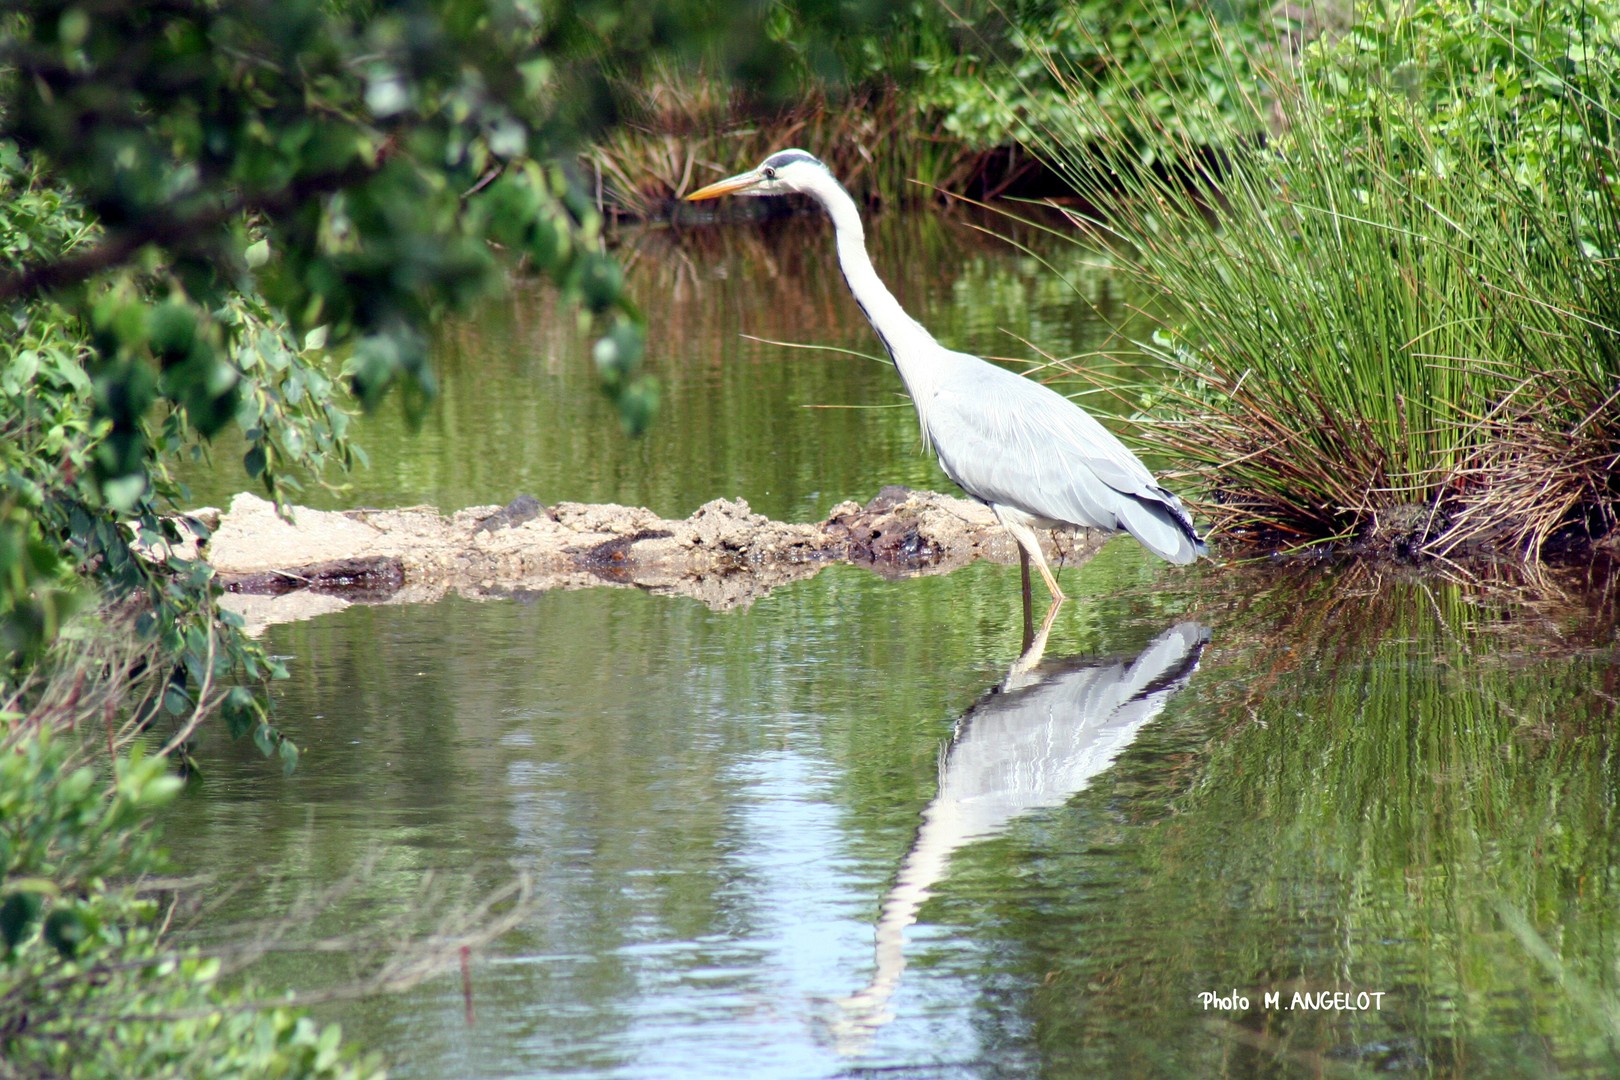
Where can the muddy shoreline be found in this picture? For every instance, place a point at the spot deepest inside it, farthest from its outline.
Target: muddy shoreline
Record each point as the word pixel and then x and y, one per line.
pixel 723 555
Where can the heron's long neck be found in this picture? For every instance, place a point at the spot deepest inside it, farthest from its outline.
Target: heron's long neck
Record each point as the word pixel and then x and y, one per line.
pixel 898 331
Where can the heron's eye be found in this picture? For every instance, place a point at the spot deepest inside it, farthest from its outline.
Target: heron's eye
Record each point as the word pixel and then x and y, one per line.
pixel 770 173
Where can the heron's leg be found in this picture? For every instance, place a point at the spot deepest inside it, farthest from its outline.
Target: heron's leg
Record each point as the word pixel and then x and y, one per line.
pixel 1029 603
pixel 1030 544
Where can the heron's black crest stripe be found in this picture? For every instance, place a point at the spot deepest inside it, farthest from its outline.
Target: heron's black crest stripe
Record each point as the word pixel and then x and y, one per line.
pixel 788 157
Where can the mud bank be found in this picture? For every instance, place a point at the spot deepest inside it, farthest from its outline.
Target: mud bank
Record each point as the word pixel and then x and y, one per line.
pixel 723 555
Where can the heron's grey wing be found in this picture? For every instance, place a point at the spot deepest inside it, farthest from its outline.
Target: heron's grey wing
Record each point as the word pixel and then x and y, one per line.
pixel 1012 442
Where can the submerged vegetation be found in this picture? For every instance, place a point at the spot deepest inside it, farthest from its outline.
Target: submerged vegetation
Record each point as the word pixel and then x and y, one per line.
pixel 1399 326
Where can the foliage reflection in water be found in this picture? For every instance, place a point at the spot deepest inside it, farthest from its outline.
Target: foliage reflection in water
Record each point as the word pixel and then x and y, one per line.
pixel 1405 786
pixel 1391 785
pixel 710 805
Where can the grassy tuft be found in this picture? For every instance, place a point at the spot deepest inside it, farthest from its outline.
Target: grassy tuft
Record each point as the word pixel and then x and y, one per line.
pixel 1395 319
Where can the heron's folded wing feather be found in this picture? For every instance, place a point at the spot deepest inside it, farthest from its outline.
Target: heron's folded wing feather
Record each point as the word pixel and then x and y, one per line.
pixel 1011 441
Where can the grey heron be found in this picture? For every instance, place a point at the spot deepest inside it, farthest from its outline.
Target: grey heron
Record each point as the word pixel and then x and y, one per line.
pixel 1034 457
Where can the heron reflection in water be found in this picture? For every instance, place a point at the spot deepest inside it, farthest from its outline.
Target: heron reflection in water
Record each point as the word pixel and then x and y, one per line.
pixel 1030 743
pixel 1037 459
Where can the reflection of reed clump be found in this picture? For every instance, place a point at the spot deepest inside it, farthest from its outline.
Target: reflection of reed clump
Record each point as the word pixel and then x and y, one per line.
pixel 1492 613
pixel 1393 782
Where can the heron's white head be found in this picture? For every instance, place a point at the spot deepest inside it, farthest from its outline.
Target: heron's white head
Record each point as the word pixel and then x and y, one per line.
pixel 783 173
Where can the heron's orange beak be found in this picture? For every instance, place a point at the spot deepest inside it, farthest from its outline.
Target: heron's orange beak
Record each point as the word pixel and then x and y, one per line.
pixel 728 186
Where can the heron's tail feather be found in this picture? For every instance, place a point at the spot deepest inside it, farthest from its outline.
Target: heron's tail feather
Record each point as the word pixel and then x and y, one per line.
pixel 1162 527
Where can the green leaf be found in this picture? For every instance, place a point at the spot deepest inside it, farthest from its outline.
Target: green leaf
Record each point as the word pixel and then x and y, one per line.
pixel 17 915
pixel 176 702
pixel 66 930
pixel 124 493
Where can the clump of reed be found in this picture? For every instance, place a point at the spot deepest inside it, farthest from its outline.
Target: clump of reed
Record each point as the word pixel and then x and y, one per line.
pixel 684 128
pixel 1394 316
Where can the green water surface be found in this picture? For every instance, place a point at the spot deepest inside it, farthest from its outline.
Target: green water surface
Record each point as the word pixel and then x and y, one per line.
pixel 1369 782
